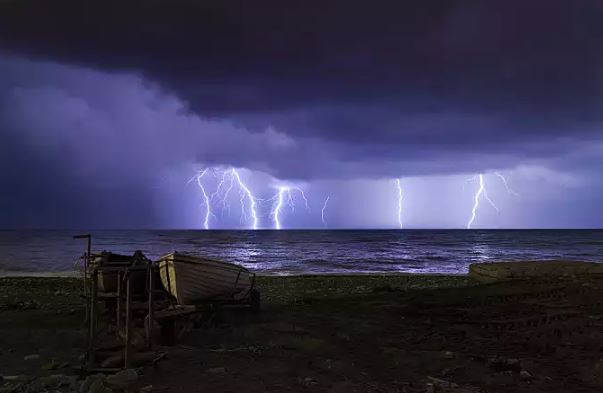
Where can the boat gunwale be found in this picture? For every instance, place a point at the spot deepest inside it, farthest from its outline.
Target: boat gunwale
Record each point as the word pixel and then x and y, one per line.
pixel 220 264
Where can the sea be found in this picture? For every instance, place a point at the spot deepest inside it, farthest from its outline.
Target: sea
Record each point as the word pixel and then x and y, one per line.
pixel 291 252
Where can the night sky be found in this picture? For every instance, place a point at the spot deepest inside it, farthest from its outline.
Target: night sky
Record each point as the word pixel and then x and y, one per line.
pixel 108 108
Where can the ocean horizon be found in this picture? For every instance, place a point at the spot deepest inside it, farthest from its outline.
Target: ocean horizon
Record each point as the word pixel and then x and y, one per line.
pixel 307 251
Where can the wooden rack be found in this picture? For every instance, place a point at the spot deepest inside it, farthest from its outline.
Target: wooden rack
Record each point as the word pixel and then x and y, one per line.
pixel 124 275
pixel 166 313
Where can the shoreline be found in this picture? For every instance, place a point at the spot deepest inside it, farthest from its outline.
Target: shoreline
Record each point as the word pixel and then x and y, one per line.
pixel 21 274
pixel 67 274
pixel 78 274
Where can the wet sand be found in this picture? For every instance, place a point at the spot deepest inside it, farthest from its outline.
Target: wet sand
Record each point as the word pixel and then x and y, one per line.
pixel 367 333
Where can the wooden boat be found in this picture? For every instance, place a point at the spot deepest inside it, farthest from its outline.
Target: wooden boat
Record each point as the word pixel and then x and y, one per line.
pixel 107 280
pixel 501 271
pixel 191 279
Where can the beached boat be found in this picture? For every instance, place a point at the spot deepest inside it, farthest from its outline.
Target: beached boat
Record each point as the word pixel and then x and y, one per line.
pixel 107 278
pixel 191 279
pixel 501 271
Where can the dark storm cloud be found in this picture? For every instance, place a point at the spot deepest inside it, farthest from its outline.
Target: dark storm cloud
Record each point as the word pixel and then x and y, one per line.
pixel 79 145
pixel 424 73
pixel 97 98
pixel 39 193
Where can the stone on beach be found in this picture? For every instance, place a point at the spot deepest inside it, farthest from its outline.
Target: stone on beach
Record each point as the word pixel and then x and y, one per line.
pixel 122 379
pixel 502 271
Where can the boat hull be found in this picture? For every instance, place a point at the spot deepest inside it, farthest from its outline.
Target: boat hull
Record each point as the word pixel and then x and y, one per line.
pixel 193 280
pixel 107 280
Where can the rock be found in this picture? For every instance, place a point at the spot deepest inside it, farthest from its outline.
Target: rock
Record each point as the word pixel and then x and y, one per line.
pixel 62 365
pixel 525 375
pixel 594 374
pixel 31 357
pixel 146 389
pixel 65 380
pixel 450 370
pixel 11 377
pixel 308 381
pixel 343 387
pixel 99 387
pixel 501 364
pixel 12 387
pixel 42 384
pixel 216 370
pixel 142 358
pixel 343 336
pixel 52 365
pixel 86 386
pixel 122 379
pixel 511 362
pixel 501 271
pixel 113 361
pixel 442 383
pixel 502 378
pixel 136 359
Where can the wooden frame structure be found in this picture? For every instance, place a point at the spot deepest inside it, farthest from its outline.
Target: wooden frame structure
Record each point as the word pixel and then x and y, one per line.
pixel 127 299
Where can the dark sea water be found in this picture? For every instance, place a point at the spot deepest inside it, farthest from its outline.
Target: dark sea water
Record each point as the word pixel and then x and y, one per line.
pixel 310 251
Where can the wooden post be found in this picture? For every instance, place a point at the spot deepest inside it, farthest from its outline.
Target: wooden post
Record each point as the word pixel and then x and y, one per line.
pixel 118 306
pixel 167 279
pixel 86 288
pixel 87 259
pixel 128 320
pixel 92 322
pixel 150 314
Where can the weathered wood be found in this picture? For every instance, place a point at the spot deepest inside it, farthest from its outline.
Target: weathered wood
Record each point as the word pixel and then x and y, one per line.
pixel 118 316
pixel 93 316
pixel 149 318
pixel 177 311
pixel 128 321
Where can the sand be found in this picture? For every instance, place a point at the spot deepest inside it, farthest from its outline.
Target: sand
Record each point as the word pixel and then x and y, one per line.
pixel 364 333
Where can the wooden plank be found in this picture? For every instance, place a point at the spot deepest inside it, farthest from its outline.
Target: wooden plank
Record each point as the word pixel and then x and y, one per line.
pixel 128 321
pixel 175 312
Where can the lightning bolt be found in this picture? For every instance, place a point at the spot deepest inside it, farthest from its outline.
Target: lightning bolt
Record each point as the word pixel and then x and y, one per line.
pixel 223 197
pixel 504 181
pixel 322 211
pixel 399 186
pixel 227 180
pixel 277 208
pixel 252 201
pixel 279 199
pixel 476 201
pixel 206 199
pixel 480 191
